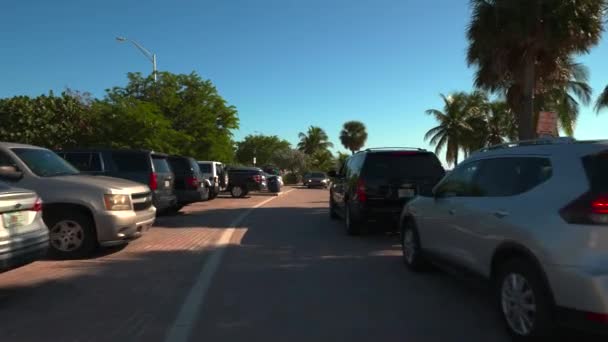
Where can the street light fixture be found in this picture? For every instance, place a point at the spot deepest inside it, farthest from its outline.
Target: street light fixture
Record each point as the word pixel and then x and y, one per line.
pixel 149 55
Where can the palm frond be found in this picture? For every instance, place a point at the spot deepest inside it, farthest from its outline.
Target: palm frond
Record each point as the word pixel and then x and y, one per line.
pixel 602 101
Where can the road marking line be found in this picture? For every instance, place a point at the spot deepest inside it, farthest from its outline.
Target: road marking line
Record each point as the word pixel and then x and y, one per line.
pixel 181 329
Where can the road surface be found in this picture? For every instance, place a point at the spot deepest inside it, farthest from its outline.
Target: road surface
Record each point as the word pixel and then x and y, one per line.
pixel 256 269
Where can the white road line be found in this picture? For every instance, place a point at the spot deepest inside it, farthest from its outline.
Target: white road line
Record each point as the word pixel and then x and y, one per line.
pixel 181 329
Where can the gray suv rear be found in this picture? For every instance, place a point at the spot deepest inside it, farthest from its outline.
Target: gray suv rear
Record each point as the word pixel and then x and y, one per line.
pixel 81 211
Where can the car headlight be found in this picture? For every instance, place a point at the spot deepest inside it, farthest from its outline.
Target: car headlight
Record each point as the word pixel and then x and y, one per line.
pixel 324 181
pixel 117 202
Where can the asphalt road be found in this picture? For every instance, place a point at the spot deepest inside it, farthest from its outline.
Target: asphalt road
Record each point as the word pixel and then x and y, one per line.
pixel 256 269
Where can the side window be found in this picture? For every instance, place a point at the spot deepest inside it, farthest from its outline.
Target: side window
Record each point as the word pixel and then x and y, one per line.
pixel 502 177
pixel 460 181
pixel 5 160
pixel 96 162
pixel 80 160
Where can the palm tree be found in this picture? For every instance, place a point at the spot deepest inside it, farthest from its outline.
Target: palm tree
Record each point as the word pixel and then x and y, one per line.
pixel 353 135
pixel 453 128
pixel 562 92
pixel 314 140
pixel 515 44
pixel 602 101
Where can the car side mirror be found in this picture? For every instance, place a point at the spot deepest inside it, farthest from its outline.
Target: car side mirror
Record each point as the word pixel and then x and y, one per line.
pixel 10 173
pixel 332 174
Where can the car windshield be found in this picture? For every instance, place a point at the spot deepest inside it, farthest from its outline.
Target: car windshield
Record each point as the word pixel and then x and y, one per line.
pixel 403 165
pixel 45 163
pixel 318 175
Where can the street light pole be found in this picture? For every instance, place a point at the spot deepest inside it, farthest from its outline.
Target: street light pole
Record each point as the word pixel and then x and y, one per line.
pixel 149 55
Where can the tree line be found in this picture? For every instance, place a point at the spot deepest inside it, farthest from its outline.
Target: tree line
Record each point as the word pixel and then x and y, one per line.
pixel 523 52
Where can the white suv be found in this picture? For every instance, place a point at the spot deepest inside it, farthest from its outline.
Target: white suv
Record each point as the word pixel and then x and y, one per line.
pixel 532 217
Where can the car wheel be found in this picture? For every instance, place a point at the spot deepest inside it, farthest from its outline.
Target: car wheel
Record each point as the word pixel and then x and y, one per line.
pixel 173 210
pixel 411 248
pixel 71 235
pixel 524 301
pixel 237 191
pixel 332 210
pixel 352 227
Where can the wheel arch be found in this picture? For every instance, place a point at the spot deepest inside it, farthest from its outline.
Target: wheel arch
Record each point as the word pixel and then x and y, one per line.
pixel 51 209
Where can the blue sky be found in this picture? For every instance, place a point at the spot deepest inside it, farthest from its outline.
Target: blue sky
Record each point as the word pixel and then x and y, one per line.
pixel 285 64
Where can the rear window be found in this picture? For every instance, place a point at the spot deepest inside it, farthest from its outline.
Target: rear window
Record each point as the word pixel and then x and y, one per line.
pixel 180 165
pixel 161 165
pixel 131 162
pixel 205 168
pixel 403 165
pixel 597 171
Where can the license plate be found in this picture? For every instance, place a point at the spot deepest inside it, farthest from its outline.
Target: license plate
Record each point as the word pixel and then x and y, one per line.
pixel 167 184
pixel 13 220
pixel 403 193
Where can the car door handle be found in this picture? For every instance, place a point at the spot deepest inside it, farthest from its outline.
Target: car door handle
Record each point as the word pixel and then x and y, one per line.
pixel 452 212
pixel 501 214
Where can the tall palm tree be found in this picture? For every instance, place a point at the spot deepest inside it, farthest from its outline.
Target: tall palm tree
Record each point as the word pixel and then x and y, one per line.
pixel 516 43
pixel 315 139
pixel 453 127
pixel 353 136
pixel 563 92
pixel 602 101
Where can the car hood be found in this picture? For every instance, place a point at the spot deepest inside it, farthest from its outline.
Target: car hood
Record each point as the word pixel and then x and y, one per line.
pixel 108 184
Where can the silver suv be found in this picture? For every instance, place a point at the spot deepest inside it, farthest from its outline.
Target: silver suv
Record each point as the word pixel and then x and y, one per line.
pixel 532 217
pixel 80 211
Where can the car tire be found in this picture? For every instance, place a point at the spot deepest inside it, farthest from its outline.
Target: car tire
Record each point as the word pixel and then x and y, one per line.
pixel 72 234
pixel 332 210
pixel 238 191
pixel 411 249
pixel 519 286
pixel 173 210
pixel 353 228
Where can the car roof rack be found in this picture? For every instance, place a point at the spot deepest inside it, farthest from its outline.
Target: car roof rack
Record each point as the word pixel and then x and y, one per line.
pixel 373 149
pixel 532 142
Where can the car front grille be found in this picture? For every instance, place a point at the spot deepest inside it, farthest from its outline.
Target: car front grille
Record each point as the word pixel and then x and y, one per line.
pixel 142 201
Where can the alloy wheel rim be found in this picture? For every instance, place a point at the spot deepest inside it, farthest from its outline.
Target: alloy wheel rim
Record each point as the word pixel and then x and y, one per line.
pixel 409 248
pixel 237 191
pixel 67 236
pixel 518 304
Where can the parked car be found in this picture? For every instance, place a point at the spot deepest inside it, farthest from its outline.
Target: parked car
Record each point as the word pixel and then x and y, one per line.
pixel 190 185
pixel 216 174
pixel 147 167
pixel 81 211
pixel 375 184
pixel 24 237
pixel 530 217
pixel 242 180
pixel 316 180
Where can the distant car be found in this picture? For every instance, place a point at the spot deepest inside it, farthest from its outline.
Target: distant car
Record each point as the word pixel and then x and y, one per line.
pixel 147 167
pixel 532 219
pixel 316 180
pixel 375 184
pixel 24 237
pixel 216 174
pixel 242 180
pixel 82 212
pixel 190 185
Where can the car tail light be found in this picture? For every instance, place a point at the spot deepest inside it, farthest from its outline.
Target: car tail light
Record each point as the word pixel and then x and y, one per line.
pixel 37 205
pixel 360 191
pixel 588 209
pixel 153 181
pixel 192 181
pixel 597 317
pixel 257 178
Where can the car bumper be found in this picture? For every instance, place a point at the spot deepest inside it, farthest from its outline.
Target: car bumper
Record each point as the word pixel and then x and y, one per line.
pixel 581 294
pixel 316 184
pixel 23 250
pixel 117 226
pixel 164 202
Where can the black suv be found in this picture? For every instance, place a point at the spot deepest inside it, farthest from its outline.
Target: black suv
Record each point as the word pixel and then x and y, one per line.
pixel 241 180
pixel 190 184
pixel 141 166
pixel 376 183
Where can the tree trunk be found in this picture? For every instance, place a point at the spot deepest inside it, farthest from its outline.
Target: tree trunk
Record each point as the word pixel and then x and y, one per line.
pixel 525 115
